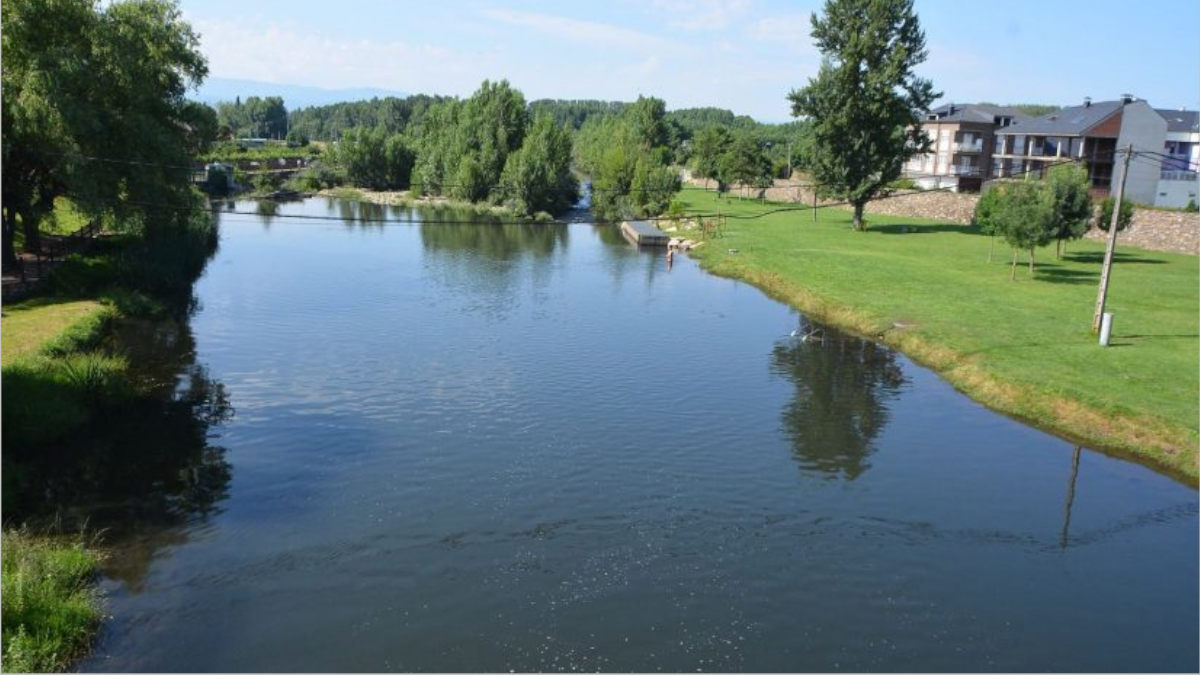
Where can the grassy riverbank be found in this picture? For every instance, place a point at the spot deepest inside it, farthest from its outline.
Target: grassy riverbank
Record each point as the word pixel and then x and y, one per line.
pixel 62 378
pixel 49 606
pixel 1022 347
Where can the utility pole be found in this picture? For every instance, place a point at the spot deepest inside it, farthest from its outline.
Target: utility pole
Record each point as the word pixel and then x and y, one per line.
pixel 1112 244
pixel 789 160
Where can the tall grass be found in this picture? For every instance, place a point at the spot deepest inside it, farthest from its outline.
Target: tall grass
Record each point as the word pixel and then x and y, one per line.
pixel 49 608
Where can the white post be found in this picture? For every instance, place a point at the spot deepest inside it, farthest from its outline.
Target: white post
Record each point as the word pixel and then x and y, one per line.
pixel 1105 328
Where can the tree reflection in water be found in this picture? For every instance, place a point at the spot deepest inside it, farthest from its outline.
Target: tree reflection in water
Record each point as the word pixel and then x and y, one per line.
pixel 843 385
pixel 140 472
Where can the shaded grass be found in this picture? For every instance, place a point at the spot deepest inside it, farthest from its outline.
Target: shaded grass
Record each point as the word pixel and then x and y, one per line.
pixel 49 608
pixel 51 325
pixel 1023 347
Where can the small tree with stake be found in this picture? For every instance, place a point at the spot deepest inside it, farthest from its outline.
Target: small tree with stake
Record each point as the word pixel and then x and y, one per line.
pixel 1068 186
pixel 1024 215
pixel 985 210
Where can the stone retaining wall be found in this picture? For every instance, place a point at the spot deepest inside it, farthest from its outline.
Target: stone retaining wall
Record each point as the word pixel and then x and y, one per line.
pixel 1151 229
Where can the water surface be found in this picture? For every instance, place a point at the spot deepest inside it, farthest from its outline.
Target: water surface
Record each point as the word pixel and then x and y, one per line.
pixel 486 447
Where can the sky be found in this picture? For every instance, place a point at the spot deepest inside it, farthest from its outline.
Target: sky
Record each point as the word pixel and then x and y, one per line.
pixel 744 55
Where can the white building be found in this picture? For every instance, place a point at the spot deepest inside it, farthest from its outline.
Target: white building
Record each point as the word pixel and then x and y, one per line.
pixel 1177 183
pixel 1092 133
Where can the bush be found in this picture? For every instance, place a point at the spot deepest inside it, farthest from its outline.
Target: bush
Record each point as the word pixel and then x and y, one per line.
pixel 49 397
pixel 1191 206
pixel 317 176
pixel 296 139
pixel 1106 213
pixel 80 276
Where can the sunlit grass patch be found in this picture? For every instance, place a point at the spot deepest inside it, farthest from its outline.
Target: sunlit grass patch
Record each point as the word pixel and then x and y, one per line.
pixel 49 606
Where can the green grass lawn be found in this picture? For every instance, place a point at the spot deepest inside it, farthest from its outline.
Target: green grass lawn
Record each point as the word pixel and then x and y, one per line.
pixel 30 327
pixel 49 607
pixel 1024 347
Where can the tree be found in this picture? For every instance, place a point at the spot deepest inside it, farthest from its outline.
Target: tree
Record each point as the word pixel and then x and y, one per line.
pixel 745 162
pixel 647 116
pixel 83 81
pixel 465 145
pixel 1070 190
pixel 707 148
pixel 985 214
pixel 866 103
pixel 1024 214
pixel 629 177
pixel 538 176
pixel 1106 211
pixel 372 159
pixel 201 124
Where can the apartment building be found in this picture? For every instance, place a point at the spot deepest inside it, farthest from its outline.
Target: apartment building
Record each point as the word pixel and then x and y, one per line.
pixel 1177 183
pixel 1091 132
pixel 963 140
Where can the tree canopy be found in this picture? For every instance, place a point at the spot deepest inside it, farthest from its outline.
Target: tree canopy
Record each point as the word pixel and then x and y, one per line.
pixel 628 159
pixel 94 108
pixel 538 177
pixel 866 102
pixel 255 117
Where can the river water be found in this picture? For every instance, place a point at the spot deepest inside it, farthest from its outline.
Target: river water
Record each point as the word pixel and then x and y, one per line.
pixel 446 446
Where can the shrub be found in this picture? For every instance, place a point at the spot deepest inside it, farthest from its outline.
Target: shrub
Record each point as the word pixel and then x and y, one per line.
pixel 1106 213
pixel 317 176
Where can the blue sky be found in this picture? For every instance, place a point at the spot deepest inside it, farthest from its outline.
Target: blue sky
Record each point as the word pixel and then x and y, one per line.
pixel 744 55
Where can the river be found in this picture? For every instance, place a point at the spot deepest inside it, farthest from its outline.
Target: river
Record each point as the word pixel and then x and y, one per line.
pixel 460 447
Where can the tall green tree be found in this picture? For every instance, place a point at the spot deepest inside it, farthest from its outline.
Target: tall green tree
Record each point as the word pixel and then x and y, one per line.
pixel 94 108
pixel 648 118
pixel 707 148
pixel 538 176
pixel 866 102
pixel 465 145
pixel 1070 189
pixel 745 162
pixel 375 160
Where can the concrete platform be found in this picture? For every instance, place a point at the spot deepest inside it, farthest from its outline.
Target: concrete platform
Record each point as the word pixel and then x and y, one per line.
pixel 643 233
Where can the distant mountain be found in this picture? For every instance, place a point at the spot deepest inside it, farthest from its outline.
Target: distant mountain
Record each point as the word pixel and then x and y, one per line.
pixel 295 96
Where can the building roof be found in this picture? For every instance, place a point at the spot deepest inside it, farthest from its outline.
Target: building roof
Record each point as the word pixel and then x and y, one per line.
pixel 1066 122
pixel 1180 120
pixel 972 112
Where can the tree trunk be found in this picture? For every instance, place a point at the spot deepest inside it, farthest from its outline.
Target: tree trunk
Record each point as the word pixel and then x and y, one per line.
pixel 1031 249
pixel 33 240
pixel 857 223
pixel 1012 275
pixel 10 229
pixel 991 247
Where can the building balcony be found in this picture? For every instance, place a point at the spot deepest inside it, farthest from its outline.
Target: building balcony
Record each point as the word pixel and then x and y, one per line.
pixel 964 171
pixel 977 146
pixel 1179 175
